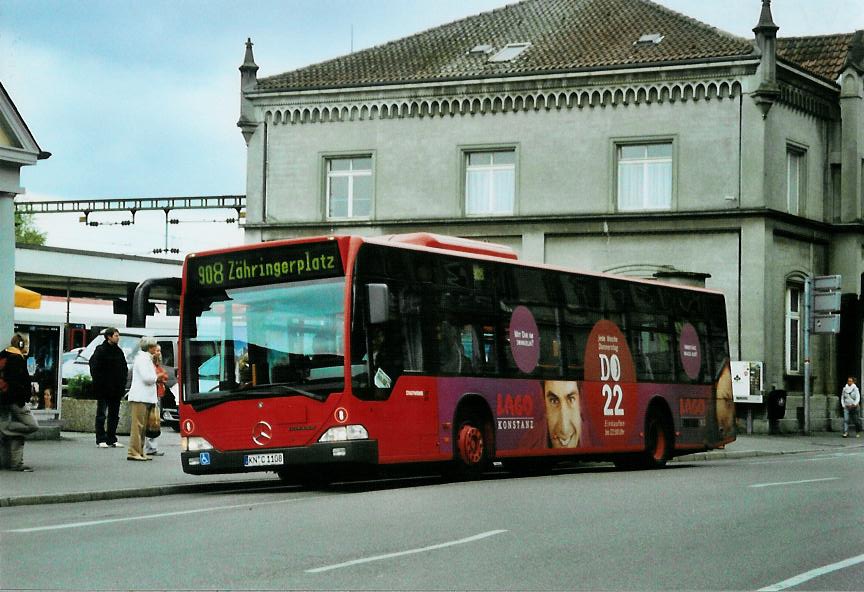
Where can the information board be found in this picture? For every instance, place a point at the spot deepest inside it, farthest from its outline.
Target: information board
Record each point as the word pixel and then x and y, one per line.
pixel 747 382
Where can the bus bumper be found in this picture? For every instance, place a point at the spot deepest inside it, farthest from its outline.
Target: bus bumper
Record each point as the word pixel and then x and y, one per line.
pixel 208 462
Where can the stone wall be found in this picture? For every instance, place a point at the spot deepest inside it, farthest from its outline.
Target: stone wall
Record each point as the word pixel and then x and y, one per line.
pixel 79 415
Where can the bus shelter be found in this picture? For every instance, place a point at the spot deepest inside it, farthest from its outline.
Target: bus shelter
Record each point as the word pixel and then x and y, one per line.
pixel 43 365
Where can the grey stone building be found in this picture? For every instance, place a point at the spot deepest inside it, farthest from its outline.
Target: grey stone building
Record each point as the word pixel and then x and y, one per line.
pixel 606 135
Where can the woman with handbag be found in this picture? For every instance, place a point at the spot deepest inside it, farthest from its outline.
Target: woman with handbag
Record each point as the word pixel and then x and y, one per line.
pixel 151 442
pixel 142 397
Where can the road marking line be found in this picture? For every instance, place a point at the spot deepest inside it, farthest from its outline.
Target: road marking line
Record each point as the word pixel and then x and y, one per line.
pixel 149 516
pixel 813 573
pixel 794 482
pixel 470 539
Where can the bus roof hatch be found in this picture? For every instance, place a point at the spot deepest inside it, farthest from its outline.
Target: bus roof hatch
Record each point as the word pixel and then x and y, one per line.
pixel 451 243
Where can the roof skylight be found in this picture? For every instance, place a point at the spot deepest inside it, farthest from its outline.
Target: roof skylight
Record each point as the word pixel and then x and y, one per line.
pixel 649 39
pixel 482 49
pixel 509 52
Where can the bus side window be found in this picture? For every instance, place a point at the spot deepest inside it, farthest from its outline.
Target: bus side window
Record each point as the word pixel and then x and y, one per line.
pixel 410 313
pixel 487 352
pixel 574 333
pixel 167 353
pixel 451 351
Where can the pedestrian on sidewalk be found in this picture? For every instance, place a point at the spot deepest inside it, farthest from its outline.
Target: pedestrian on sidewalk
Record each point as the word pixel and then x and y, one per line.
pixel 850 398
pixel 142 397
pixel 16 421
pixel 109 372
pixel 151 445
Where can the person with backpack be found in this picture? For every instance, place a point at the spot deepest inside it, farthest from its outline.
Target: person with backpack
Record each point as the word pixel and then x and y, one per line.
pixel 109 372
pixel 16 421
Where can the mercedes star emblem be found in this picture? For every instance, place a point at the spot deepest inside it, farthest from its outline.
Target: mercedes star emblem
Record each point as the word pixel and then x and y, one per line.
pixel 262 433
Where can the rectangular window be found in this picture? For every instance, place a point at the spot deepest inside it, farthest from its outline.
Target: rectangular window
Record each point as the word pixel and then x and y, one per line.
pixel 490 183
pixel 794 179
pixel 793 329
pixel 349 187
pixel 644 176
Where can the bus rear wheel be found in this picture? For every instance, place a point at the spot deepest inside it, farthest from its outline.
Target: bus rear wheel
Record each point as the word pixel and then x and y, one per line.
pixel 658 441
pixel 659 444
pixel 471 454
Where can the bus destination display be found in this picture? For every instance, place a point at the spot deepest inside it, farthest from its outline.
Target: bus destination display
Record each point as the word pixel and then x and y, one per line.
pixel 267 265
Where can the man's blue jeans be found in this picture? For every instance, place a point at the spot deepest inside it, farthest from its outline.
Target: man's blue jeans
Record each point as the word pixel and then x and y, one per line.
pixel 854 416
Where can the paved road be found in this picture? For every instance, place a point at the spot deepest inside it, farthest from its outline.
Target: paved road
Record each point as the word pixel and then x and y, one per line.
pixel 741 524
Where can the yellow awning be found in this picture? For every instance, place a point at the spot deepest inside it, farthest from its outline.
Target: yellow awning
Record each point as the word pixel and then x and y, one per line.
pixel 27 298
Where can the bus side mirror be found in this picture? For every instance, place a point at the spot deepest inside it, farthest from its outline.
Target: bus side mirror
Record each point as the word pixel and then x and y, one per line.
pixel 379 303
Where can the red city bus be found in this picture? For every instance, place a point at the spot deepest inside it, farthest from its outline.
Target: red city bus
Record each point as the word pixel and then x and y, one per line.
pixel 314 356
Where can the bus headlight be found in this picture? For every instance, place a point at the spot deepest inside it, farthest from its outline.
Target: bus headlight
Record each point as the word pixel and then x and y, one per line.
pixel 194 444
pixel 343 433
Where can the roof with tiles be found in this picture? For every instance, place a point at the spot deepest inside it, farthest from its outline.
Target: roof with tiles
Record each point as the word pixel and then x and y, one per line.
pixel 822 55
pixel 565 35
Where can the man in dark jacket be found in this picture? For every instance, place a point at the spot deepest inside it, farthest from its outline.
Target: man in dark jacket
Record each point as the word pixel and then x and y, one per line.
pixel 109 371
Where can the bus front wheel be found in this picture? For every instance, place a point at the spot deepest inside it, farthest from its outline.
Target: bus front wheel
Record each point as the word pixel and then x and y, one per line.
pixel 471 452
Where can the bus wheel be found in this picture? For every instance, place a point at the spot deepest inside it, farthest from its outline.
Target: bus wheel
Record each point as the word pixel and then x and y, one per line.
pixel 471 454
pixel 658 441
pixel 658 445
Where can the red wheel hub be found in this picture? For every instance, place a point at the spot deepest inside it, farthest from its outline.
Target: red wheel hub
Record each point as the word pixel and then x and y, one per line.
pixel 659 442
pixel 470 444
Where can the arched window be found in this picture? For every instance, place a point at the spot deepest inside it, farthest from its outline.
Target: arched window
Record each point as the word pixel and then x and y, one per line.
pixel 794 329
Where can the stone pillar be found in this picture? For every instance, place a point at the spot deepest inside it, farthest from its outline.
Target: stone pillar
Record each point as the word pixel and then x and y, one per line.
pixel 766 40
pixel 256 151
pixel 852 118
pixel 7 266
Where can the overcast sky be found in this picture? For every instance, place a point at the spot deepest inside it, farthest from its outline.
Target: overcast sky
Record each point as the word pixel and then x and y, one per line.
pixel 140 99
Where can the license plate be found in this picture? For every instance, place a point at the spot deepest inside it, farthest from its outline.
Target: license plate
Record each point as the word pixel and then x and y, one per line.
pixel 263 460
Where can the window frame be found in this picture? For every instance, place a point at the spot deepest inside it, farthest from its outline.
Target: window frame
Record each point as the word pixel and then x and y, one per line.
pixel 798 153
pixel 793 342
pixel 351 174
pixel 465 155
pixel 617 145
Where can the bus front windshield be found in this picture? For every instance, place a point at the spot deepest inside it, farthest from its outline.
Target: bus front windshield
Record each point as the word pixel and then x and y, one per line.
pixel 278 339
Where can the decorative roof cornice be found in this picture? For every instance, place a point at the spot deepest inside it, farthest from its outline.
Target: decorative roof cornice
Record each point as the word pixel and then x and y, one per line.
pixel 482 103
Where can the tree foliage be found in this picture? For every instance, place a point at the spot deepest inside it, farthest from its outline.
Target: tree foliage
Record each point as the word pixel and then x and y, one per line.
pixel 26 230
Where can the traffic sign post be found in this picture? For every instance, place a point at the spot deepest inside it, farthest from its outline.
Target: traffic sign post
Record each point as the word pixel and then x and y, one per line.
pixel 825 311
pixel 822 316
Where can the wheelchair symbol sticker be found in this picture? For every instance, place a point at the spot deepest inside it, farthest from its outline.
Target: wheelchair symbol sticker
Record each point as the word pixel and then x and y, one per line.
pixel 204 458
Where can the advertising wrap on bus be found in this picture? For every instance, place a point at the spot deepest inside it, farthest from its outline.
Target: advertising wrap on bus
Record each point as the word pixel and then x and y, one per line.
pixel 308 357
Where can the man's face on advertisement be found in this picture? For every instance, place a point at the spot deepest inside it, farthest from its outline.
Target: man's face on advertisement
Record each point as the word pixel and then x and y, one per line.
pixel 563 416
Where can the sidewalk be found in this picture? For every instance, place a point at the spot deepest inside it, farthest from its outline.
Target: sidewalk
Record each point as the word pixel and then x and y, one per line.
pixel 73 469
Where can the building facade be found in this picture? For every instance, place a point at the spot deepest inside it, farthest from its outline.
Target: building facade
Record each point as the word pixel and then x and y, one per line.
pixel 604 135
